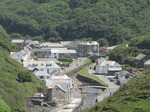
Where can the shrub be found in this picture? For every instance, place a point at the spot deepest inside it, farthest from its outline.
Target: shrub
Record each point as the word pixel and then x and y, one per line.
pixel 24 77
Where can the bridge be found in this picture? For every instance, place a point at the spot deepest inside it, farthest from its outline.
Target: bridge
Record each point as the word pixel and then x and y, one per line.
pixel 93 86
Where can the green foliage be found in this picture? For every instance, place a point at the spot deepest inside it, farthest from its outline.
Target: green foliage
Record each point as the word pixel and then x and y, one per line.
pixel 123 54
pixel 134 96
pixel 24 77
pixel 84 72
pixel 142 42
pixel 13 93
pixel 4 107
pixel 54 20
pixel 103 42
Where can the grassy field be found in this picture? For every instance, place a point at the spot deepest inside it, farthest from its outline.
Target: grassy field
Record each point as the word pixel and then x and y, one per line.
pixel 84 72
pixel 85 63
pixel 134 96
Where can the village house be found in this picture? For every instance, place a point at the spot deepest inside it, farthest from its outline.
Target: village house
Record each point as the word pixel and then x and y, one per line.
pixel 140 60
pixel 83 48
pixel 59 87
pixel 147 64
pixel 123 76
pixel 63 53
pixel 59 92
pixel 70 44
pixel 53 50
pixel 22 55
pixel 107 67
pixel 50 45
pixel 46 66
pixel 42 75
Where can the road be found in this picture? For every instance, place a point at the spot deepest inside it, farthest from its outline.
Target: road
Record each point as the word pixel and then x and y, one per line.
pixel 111 86
pixel 74 65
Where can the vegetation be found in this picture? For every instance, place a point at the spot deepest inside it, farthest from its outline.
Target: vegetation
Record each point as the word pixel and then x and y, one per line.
pixel 126 55
pixel 24 77
pixel 134 96
pixel 110 21
pixel 84 72
pixel 3 106
pixel 12 92
pixel 85 63
pixel 66 61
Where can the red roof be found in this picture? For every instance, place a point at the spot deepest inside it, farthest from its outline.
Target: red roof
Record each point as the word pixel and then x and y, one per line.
pixel 103 48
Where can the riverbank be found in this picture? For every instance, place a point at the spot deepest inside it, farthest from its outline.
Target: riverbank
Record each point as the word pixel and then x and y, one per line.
pixel 111 86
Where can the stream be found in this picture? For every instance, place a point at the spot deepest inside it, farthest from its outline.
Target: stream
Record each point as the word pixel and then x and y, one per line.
pixel 89 96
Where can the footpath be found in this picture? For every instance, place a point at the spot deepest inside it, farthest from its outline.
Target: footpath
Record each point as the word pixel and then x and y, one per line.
pixel 111 86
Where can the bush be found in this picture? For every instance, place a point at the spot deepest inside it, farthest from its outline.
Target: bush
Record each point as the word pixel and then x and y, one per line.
pixel 24 77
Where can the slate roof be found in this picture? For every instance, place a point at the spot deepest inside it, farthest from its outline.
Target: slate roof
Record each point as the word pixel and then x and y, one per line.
pixel 62 51
pixel 147 62
pixel 100 60
pixel 41 73
pixel 140 56
pixel 123 73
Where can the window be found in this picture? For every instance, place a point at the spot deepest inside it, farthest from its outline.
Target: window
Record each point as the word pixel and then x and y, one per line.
pixel 126 77
pixel 42 64
pixel 48 65
pixel 41 77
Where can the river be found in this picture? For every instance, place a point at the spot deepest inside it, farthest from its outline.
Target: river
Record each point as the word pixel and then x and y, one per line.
pixel 89 96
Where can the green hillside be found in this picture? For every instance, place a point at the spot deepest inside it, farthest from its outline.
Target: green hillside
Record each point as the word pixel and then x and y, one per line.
pixel 112 21
pixel 133 96
pixel 13 93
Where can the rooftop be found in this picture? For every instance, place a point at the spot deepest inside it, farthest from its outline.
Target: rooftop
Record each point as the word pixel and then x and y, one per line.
pixel 104 63
pixel 89 43
pixel 50 44
pixel 62 51
pixel 147 62
pixel 140 56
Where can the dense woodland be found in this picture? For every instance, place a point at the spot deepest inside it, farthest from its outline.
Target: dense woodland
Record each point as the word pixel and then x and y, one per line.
pixel 110 21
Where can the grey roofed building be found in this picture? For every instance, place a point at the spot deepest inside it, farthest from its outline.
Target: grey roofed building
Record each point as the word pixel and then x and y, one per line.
pixel 123 76
pixel 140 60
pixel 63 51
pixel 140 56
pixel 42 75
pixel 59 91
pixel 100 60
pixel 147 64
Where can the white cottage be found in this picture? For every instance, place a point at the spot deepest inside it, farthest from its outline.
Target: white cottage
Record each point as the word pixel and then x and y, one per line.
pixel 108 67
pixel 46 66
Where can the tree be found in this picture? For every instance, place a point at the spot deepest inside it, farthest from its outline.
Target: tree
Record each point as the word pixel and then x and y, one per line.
pixel 24 77
pixel 103 42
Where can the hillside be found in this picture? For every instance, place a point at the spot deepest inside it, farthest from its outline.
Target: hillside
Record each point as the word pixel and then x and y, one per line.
pixel 134 96
pixel 53 20
pixel 13 94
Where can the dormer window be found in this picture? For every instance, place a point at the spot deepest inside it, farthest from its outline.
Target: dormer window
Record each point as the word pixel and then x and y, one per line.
pixel 48 65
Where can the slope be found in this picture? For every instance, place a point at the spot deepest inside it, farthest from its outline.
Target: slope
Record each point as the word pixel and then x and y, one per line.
pixel 12 92
pixel 133 96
